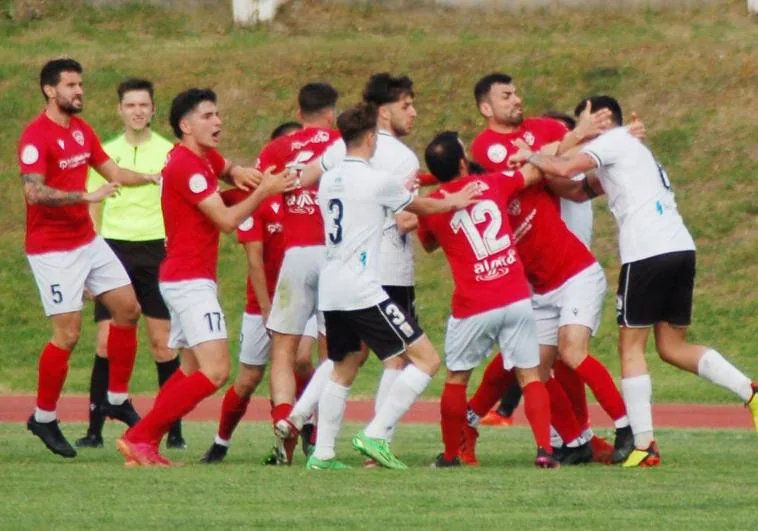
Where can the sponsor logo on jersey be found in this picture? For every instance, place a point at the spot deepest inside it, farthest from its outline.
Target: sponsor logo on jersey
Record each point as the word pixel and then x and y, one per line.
pixel 274 228
pixel 524 227
pixel 30 154
pixel 319 138
pixel 198 183
pixel 79 137
pixel 494 268
pixel 497 153
pixel 74 162
pixel 303 202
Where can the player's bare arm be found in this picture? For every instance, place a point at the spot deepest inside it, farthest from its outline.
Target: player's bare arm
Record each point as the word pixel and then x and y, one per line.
pixel 426 206
pixel 38 193
pixel 113 173
pixel 577 191
pixel 310 175
pixel 227 219
pixel 406 222
pixel 254 251
pixel 588 126
pixel 243 178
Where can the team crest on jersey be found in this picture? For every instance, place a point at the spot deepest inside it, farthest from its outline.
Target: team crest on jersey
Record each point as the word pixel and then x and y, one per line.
pixel 303 202
pixel 514 207
pixel 30 154
pixel 529 138
pixel 481 186
pixel 247 224
pixel 198 183
pixel 61 144
pixel 497 153
pixel 79 137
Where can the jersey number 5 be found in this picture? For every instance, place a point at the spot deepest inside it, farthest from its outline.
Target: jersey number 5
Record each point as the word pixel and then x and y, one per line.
pixel 336 210
pixel 487 243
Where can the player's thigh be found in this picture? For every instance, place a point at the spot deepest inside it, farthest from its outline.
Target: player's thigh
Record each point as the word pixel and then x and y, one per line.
pixel 60 278
pixel 344 347
pixel 255 343
pixel 681 284
pixel 108 274
pixel 547 312
pixel 296 294
pixel 387 329
pixel 213 359
pixel 469 340
pixel 581 299
pixel 641 295
pixel 196 314
pixel 122 304
pixel 518 336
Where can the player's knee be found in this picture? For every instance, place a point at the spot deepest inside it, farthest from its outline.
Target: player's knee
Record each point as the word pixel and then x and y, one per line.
pixel 572 357
pixel 67 338
pixel 247 382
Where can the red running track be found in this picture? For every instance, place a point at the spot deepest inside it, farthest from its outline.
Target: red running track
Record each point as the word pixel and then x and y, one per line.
pixel 17 408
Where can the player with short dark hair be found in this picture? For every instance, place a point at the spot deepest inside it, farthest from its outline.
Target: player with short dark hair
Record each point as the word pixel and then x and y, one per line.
pixel 65 254
pixel 491 297
pixel 354 198
pixel 132 225
pixel 657 274
pixel 194 214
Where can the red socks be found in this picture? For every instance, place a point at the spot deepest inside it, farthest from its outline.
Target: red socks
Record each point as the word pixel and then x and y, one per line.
pixel 175 403
pixel 453 418
pixel 599 380
pixel 495 380
pixel 232 410
pixel 53 368
pixel 122 350
pixel 280 412
pixel 573 386
pixel 537 409
pixel 177 377
pixel 562 416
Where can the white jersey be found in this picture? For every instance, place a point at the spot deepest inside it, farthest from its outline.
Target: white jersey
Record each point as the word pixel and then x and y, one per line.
pixel 639 196
pixel 400 162
pixel 355 199
pixel 578 217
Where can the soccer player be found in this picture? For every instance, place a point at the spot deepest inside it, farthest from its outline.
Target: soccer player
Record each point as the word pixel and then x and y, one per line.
pixel 491 298
pixel 194 214
pixel 567 282
pixel 354 200
pixel 65 255
pixel 132 225
pixel 295 298
pixel 657 274
pixel 394 98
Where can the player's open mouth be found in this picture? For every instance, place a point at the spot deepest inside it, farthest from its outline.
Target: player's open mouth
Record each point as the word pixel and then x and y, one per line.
pixel 216 134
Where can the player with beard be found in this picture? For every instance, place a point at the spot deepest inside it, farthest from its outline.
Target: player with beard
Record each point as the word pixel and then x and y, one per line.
pixel 567 282
pixel 65 254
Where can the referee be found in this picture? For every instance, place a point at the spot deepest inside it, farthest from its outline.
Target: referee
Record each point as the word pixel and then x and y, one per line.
pixel 132 224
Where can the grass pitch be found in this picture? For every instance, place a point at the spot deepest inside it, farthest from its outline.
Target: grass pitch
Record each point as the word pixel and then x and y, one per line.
pixel 707 480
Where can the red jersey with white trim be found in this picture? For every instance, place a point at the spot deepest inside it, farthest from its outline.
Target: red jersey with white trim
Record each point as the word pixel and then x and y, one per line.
pixel 62 155
pixel 265 226
pixel 191 237
pixel 478 244
pixel 551 253
pixel 303 225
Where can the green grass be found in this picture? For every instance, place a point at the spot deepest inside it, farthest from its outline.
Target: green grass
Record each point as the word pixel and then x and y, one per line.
pixel 703 483
pixel 690 74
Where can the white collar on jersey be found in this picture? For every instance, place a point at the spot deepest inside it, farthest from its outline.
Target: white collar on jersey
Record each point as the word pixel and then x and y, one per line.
pixel 355 159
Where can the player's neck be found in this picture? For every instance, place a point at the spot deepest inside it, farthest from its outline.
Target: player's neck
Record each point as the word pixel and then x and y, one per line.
pixel 56 115
pixel 317 124
pixel 359 152
pixel 191 144
pixel 501 128
pixel 136 138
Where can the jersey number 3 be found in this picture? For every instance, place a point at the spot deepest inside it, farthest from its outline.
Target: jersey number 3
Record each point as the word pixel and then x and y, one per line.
pixel 336 210
pixel 487 243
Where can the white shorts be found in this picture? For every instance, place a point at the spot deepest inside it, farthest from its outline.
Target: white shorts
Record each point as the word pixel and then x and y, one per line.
pixel 315 326
pixel 579 301
pixel 255 343
pixel 196 315
pixel 470 340
pixel 296 295
pixel 61 276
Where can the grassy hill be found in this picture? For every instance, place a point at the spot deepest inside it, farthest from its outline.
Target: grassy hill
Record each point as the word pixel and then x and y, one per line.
pixel 691 75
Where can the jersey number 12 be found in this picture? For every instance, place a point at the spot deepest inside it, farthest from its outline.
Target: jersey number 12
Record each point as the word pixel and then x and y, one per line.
pixel 487 243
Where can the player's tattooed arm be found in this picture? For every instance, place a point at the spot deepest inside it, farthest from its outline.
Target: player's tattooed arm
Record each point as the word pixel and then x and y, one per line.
pixel 38 193
pixel 113 173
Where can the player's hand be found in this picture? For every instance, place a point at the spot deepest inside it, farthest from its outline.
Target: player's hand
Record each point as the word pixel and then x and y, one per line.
pixel 105 191
pixel 246 179
pixel 637 128
pixel 277 183
pixel 519 158
pixel 87 295
pixel 591 124
pixel 464 197
pixel 153 179
pixel 413 183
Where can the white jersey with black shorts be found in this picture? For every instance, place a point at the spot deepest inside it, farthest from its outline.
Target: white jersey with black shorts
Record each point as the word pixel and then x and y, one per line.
pixel 657 251
pixel 355 200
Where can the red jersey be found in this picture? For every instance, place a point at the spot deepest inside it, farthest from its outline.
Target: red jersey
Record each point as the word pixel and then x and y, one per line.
pixel 191 237
pixel 551 253
pixel 265 226
pixel 303 225
pixel 478 244
pixel 62 155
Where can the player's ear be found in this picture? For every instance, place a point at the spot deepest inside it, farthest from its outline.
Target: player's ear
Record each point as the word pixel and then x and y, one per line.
pixel 485 109
pixel 49 91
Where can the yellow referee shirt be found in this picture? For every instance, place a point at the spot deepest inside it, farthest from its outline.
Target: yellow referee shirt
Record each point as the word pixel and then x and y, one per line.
pixel 135 214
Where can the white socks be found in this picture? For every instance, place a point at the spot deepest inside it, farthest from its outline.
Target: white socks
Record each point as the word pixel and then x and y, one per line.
pixel 555 438
pixel 221 442
pixel 40 415
pixel 308 401
pixel 382 391
pixel 638 396
pixel 117 399
pixel 714 368
pixel 406 389
pixel 331 408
